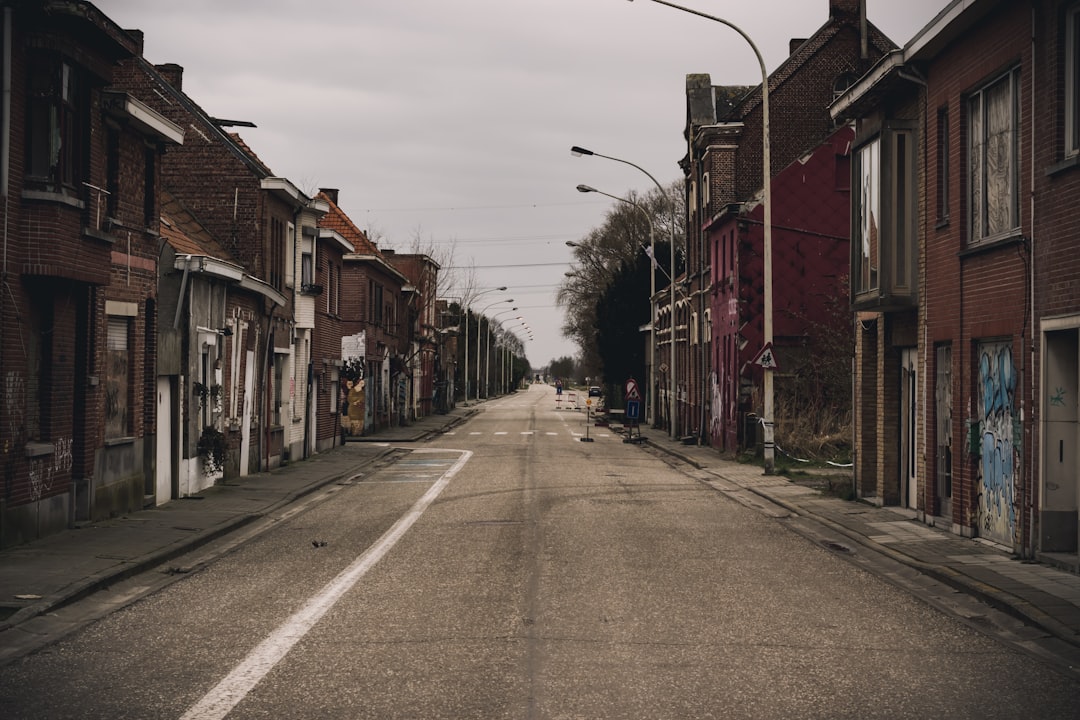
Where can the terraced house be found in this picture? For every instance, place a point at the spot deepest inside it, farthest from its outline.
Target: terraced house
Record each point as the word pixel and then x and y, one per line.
pixel 80 164
pixel 963 271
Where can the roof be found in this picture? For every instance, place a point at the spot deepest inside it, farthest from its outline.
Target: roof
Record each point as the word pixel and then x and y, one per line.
pixel 794 63
pixel 339 222
pixel 183 231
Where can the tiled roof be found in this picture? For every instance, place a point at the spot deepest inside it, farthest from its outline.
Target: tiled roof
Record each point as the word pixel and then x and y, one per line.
pixel 182 230
pixel 339 222
pixel 235 137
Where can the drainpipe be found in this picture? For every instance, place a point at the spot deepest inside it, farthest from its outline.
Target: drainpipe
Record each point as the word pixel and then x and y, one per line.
pixel 5 150
pixel 183 289
pixel 1029 490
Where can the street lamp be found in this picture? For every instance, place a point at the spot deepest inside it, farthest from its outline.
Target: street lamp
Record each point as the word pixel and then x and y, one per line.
pixel 479 316
pixel 487 354
pixel 652 292
pixel 767 420
pixel 577 151
pixel 466 353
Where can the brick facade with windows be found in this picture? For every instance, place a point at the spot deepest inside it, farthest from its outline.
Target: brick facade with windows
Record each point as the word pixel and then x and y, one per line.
pixel 723 169
pixel 76 314
pixel 953 384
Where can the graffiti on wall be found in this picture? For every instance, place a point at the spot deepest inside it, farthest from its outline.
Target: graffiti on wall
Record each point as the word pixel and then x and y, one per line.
pixel 14 404
pixel 716 410
pixel 997 469
pixel 44 471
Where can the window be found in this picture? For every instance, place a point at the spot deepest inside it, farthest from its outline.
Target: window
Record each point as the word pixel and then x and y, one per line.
pixel 56 120
pixel 333 282
pixel 992 163
pixel 290 255
pixel 1072 81
pixel 150 187
pixel 884 219
pixel 307 264
pixel 867 206
pixel 112 170
pixel 280 358
pixel 335 389
pixel 276 265
pixel 943 165
pixel 117 377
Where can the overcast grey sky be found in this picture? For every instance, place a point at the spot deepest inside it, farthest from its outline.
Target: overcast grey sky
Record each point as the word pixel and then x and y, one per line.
pixel 452 120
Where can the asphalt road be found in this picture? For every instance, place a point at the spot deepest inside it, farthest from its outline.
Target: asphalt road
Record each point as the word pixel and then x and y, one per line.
pixel 512 570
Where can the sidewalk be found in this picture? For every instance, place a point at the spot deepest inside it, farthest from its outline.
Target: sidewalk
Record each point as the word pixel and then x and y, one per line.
pixel 47 574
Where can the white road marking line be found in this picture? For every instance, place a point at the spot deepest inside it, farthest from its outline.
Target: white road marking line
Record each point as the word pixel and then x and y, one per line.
pixel 474 432
pixel 501 432
pixel 551 433
pixel 526 432
pixel 228 693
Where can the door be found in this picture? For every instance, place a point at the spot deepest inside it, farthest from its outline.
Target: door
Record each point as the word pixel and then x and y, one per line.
pixel 943 420
pixel 1060 439
pixel 996 486
pixel 163 484
pixel 909 427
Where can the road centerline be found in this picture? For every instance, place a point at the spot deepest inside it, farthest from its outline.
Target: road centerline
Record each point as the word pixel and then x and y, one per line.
pixel 243 678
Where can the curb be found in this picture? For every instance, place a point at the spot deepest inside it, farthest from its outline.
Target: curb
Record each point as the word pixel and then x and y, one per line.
pixel 104 579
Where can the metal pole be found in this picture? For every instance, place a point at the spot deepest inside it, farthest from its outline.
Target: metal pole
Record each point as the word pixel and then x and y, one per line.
pixel 671 203
pixel 652 291
pixel 766 161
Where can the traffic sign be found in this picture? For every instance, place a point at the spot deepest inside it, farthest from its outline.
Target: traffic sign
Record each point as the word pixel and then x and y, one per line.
pixel 632 392
pixel 766 358
pixel 633 410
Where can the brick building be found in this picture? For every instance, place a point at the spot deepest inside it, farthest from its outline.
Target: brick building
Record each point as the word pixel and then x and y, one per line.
pixel 963 254
pixel 80 164
pixel 322 270
pixel 423 356
pixel 254 214
pixel 810 246
pixel 373 317
pixel 723 168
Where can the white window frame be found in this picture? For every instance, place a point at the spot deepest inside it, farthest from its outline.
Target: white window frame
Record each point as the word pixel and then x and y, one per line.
pixel 290 255
pixel 1072 81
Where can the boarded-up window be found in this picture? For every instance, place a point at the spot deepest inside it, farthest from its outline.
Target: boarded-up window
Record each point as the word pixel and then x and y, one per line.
pixel 117 393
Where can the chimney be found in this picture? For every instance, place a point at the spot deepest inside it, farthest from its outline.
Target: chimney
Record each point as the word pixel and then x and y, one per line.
pixel 852 11
pixel 173 74
pixel 846 7
pixel 137 36
pixel 330 193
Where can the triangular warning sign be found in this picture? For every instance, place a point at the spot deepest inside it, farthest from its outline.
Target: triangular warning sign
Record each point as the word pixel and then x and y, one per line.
pixel 766 358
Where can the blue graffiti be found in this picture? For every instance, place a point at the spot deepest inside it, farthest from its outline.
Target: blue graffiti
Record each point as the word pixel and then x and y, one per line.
pixel 997 380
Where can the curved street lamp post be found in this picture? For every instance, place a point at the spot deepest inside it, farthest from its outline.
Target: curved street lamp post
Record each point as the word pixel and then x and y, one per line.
pixel 479 340
pixel 487 354
pixel 766 181
pixel 577 151
pixel 466 352
pixel 652 293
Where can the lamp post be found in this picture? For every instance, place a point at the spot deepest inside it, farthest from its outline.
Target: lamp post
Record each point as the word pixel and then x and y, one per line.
pixel 479 342
pixel 766 162
pixel 652 292
pixel 487 368
pixel 672 402
pixel 466 353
